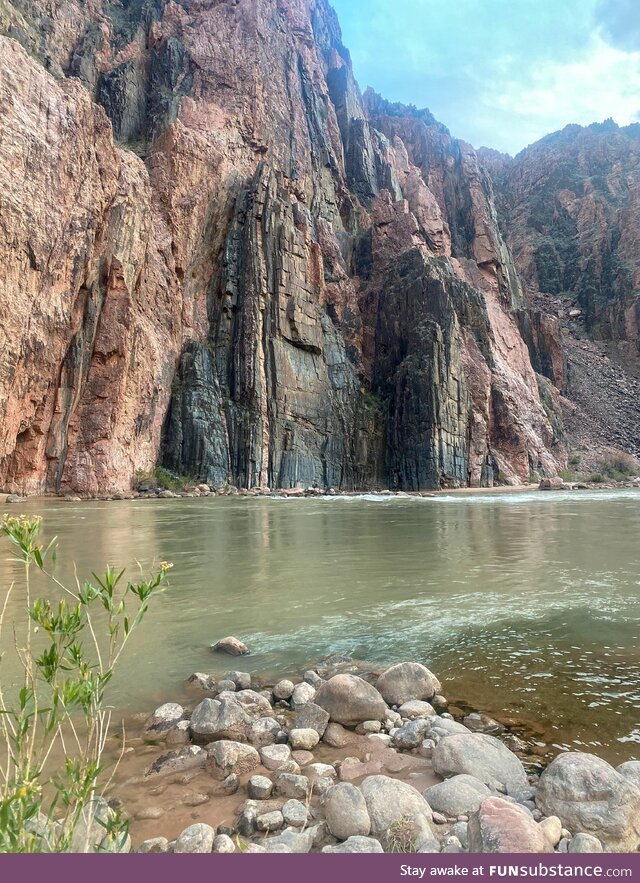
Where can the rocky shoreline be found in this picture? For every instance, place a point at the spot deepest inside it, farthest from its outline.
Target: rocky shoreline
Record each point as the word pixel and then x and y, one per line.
pixel 346 760
pixel 547 484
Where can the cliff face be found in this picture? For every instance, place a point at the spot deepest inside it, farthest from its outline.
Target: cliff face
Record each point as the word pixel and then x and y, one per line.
pixel 216 254
pixel 571 208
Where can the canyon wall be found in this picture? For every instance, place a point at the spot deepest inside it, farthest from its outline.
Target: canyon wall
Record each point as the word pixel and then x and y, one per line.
pixel 217 255
pixel 570 207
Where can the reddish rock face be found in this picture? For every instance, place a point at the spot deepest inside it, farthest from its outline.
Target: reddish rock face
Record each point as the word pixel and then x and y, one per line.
pixel 571 205
pixel 216 255
pixel 502 827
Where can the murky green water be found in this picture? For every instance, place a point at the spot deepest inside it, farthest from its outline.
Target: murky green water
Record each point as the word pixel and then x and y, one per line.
pixel 526 605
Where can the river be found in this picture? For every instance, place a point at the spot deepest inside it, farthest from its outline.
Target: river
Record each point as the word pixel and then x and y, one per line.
pixel 526 605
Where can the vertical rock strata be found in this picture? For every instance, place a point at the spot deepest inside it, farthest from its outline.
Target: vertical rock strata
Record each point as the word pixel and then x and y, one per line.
pixel 216 254
pixel 571 207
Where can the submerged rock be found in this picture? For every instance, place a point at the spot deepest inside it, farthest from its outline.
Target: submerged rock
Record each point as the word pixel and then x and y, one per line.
pixel 232 646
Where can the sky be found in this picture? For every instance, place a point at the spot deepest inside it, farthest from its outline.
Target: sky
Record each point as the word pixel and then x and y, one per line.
pixel 500 73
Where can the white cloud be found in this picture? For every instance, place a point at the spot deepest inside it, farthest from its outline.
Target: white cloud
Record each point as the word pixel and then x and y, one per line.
pixel 604 82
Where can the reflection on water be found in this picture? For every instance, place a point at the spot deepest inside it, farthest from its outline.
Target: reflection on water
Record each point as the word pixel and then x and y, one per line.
pixel 526 605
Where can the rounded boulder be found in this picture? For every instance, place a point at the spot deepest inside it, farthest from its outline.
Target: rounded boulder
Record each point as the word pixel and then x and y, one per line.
pixel 350 700
pixel 406 682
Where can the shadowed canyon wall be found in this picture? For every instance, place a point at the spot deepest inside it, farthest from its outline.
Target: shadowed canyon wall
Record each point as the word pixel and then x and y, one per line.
pixel 570 207
pixel 217 255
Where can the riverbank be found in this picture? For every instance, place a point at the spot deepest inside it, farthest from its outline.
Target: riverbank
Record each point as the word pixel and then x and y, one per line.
pixel 204 491
pixel 349 759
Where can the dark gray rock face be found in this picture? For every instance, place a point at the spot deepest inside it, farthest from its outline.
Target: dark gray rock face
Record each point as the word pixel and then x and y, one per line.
pixel 418 372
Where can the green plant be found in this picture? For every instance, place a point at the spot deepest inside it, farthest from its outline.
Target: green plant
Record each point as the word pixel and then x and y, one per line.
pixel 160 478
pixel 618 466
pixel 48 804
pixel 575 459
pixel 566 475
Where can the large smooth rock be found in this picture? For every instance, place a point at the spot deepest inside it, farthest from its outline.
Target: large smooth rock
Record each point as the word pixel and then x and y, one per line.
pixel 481 756
pixel 591 797
pixel 225 758
pixel 504 827
pixel 407 681
pixel 458 796
pixel 195 839
pixel 231 646
pixel 219 719
pixel 346 812
pixel 350 700
pixel 355 845
pixel 389 800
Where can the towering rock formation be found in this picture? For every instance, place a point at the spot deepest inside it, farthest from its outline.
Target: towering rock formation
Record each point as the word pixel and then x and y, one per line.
pixel 214 253
pixel 571 209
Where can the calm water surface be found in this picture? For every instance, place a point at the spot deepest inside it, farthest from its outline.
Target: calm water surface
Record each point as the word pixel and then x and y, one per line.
pixel 526 605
